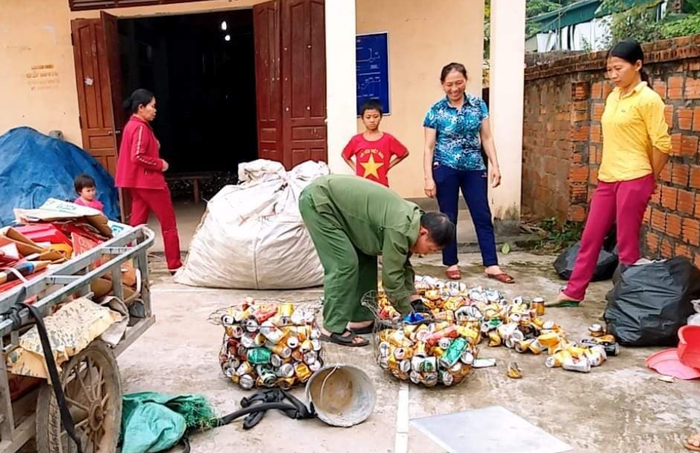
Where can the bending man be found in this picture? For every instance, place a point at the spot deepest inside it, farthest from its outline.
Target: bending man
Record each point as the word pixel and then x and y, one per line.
pixel 352 221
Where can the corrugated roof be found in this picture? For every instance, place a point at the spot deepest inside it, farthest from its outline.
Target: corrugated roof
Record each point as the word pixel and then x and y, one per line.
pixel 576 13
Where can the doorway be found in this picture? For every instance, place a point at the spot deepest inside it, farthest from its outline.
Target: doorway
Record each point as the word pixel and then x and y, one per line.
pixel 201 68
pixel 254 88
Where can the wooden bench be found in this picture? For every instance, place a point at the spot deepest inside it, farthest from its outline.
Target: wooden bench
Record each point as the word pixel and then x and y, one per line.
pixel 194 178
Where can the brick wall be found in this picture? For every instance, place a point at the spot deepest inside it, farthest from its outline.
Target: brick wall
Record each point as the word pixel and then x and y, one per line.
pixel 562 143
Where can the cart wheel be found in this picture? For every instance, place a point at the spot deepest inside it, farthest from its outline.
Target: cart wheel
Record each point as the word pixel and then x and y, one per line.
pixel 93 390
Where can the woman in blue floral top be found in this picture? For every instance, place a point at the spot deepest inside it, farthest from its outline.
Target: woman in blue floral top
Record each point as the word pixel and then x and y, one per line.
pixel 455 128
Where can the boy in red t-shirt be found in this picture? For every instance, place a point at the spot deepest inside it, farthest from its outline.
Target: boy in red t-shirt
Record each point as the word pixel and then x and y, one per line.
pixel 373 150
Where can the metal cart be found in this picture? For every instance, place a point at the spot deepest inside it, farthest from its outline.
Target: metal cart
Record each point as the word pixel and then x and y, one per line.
pixel 91 379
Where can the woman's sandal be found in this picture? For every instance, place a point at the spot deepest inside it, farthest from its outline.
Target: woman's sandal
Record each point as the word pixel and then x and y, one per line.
pixel 562 303
pixel 693 442
pixel 454 274
pixel 502 277
pixel 345 340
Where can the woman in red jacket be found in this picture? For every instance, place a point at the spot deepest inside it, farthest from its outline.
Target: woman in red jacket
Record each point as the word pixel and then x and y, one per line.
pixel 140 170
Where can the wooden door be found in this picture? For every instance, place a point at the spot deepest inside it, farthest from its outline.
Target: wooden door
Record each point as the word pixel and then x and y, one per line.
pixel 94 94
pixel 268 88
pixel 114 73
pixel 303 81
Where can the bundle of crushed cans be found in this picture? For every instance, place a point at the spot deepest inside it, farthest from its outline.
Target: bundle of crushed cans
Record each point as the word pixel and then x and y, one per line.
pixel 269 345
pixel 462 318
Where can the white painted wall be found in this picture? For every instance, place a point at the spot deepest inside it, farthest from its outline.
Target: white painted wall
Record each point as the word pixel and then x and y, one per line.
pixel 506 102
pixel 340 79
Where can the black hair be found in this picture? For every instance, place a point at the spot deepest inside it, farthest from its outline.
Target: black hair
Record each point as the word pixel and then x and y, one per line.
pixel 137 98
pixel 630 51
pixel 440 229
pixel 83 181
pixel 372 104
pixel 459 67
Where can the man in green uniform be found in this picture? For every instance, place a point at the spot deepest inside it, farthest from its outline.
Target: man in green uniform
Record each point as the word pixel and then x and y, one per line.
pixel 352 221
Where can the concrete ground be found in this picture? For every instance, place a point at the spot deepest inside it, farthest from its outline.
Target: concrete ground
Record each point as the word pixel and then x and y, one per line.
pixel 619 407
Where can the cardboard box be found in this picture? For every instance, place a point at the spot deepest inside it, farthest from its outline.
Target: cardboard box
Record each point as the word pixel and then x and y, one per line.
pixel 57 210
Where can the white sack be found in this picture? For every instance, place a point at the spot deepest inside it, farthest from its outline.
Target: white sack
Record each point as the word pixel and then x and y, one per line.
pixel 252 235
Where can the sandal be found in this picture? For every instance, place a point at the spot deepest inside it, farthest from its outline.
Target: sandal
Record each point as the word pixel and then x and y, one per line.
pixel 367 329
pixel 693 442
pixel 344 340
pixel 454 274
pixel 562 303
pixel 502 277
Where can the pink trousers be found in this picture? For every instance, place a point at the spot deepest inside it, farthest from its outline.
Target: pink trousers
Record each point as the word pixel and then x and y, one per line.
pixel 623 203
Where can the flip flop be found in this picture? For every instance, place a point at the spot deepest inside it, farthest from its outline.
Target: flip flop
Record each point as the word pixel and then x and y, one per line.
pixel 348 340
pixel 454 274
pixel 691 447
pixel 367 329
pixel 502 277
pixel 562 303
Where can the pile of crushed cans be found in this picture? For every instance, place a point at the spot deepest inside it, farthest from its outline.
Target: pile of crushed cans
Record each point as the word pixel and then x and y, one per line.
pixel 444 349
pixel 269 345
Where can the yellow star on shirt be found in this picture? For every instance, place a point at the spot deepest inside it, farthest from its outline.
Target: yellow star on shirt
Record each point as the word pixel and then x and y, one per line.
pixel 371 167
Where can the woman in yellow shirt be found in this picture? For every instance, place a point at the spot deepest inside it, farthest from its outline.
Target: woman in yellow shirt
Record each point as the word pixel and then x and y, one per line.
pixel 635 149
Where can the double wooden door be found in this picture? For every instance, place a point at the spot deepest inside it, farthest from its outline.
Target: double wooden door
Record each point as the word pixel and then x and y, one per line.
pixel 290 65
pixel 290 68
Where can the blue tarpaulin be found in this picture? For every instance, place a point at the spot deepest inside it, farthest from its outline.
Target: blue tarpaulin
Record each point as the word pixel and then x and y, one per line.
pixel 35 167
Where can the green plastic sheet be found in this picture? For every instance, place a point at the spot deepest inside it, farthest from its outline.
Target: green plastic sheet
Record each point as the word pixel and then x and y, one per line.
pixel 153 422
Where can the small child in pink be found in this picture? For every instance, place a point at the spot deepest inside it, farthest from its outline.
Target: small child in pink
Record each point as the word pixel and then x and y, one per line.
pixel 85 187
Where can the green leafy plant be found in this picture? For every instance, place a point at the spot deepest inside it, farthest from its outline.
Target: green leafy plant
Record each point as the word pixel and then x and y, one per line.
pixel 684 26
pixel 556 236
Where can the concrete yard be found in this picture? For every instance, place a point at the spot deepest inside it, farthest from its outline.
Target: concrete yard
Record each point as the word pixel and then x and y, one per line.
pixel 620 407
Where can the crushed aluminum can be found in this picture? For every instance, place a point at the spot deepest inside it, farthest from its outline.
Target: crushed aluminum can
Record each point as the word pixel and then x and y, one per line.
pixel 248 340
pixel 266 375
pixel 405 366
pixel 281 350
pixel 538 305
pixel 271 332
pixel 302 372
pixel 245 368
pixel 417 363
pixel 446 378
pixel 276 361
pixel 316 345
pixel 430 379
pixel 582 365
pixel 246 382
pixel 285 383
pixel 315 334
pixel 415 377
pixel 467 358
pixel 310 357
pixel 306 346
pixel 596 330
pixel 399 353
pixel 315 366
pixel 429 365
pixel 251 325
pixel 235 331
pixel 285 371
pixel 228 320
pixel 384 349
pixel 292 342
pixel 444 343
pixel 384 363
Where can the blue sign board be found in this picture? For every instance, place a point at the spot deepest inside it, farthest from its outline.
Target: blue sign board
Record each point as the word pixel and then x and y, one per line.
pixel 373 70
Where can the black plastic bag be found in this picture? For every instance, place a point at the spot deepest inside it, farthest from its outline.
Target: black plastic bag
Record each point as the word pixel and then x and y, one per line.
pixel 652 301
pixel 604 269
